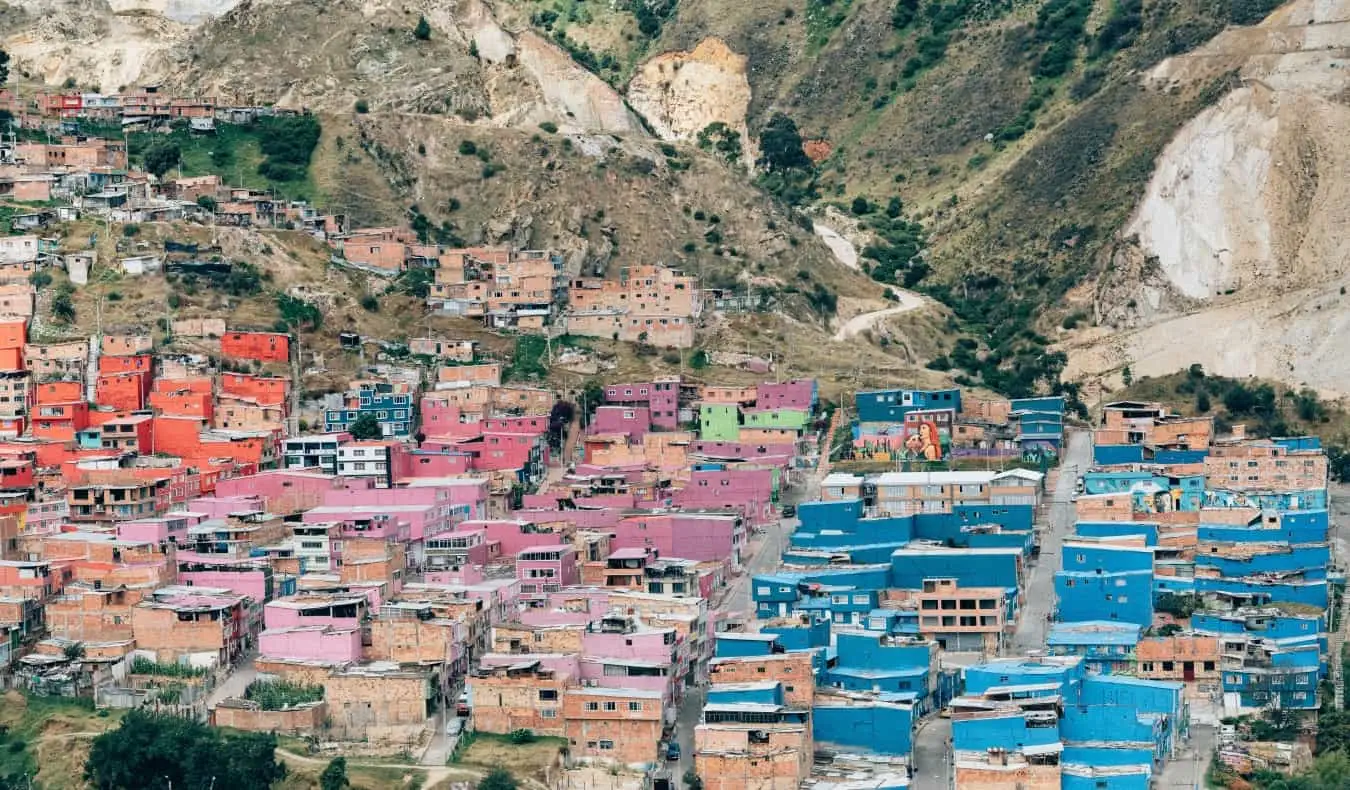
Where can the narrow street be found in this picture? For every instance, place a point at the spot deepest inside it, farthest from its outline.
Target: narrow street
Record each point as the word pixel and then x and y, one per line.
pixel 1032 626
pixel 932 755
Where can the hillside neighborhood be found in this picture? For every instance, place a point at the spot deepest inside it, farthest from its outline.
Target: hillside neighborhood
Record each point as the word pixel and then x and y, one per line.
pixel 684 580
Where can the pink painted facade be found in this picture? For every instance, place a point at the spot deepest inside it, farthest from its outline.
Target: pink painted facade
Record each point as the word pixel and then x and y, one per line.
pixel 631 421
pixel 462 575
pixel 544 568
pixel 661 397
pixel 241 577
pixel 311 643
pixel 287 491
pixel 336 611
pixel 513 536
pixel 779 455
pixel 796 394
pixel 580 519
pixel 691 536
pixel 749 491
pixel 158 530
pixel 442 418
pixel 438 494
pixel 412 464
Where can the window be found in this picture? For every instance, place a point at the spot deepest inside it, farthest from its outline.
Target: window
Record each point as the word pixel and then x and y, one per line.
pixel 1168 666
pixel 548 694
pixel 606 745
pixel 1209 666
pixel 611 706
pixel 548 713
pixel 635 706
pixel 592 706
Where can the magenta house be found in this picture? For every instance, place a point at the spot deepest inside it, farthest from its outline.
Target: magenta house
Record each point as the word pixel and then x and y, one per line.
pixel 512 535
pixel 252 577
pixel 798 394
pixel 323 643
pixel 748 490
pixel 693 536
pixel 544 569
pixel 779 455
pixel 661 397
pixel 335 610
pixel 631 421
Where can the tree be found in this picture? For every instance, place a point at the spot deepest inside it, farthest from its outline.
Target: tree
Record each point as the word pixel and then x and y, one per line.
pixel 334 777
pixel 781 145
pixel 1127 376
pixel 366 427
pixel 1202 403
pixel 423 30
pixel 207 202
pixel 152 751
pixel 1239 399
pixel 4 67
pixel 498 779
pixel 63 309
pixel 559 417
pixel 861 206
pixel 74 651
pixel 162 156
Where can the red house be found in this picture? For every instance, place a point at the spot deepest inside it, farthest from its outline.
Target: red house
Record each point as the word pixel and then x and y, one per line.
pixel 262 346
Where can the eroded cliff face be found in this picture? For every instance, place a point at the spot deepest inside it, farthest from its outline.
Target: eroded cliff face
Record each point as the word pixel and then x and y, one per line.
pixel 681 93
pixel 1237 254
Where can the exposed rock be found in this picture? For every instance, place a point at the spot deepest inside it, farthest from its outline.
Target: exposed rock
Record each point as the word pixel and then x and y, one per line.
pixel 681 93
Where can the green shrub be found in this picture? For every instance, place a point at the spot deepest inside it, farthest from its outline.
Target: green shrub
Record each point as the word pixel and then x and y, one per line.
pixel 362 106
pixel 281 694
pixel 549 126
pixel 423 30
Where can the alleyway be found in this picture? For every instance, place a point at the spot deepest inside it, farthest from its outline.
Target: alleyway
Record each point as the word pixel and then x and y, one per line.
pixel 932 755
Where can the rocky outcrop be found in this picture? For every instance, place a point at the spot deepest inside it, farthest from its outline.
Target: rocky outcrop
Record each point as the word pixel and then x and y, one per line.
pixel 681 93
pixel 1240 237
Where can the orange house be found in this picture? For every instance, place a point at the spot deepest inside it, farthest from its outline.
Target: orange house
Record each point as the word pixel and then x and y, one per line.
pixel 59 392
pixel 13 336
pixel 266 390
pixel 262 346
pixel 181 401
pixel 60 421
pixel 124 391
pixel 177 435
pixel 11 359
pixel 125 364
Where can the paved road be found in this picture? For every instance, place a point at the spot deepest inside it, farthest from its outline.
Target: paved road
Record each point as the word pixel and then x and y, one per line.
pixel 932 756
pixel 235 684
pixel 1040 595
pixel 1187 771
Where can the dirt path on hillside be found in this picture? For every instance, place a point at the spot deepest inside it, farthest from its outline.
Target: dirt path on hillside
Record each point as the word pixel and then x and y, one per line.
pixel 846 253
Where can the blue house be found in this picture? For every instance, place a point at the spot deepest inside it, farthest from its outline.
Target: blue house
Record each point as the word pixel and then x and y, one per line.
pixel 893 405
pixel 876 662
pixel 1105 582
pixel 1105 646
pixel 392 410
pixel 883 724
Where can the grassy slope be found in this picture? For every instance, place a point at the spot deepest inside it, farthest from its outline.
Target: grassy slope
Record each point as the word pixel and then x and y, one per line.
pixel 47 739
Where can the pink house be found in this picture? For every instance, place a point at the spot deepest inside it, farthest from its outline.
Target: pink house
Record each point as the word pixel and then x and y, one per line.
pixel 410 464
pixel 748 490
pixel 545 568
pixel 159 530
pixel 779 455
pixel 311 643
pixel 800 394
pixel 661 397
pixel 446 501
pixel 631 421
pixel 512 535
pixel 335 610
pixel 251 577
pixel 441 418
pixel 694 536
pixel 463 548
pixel 287 491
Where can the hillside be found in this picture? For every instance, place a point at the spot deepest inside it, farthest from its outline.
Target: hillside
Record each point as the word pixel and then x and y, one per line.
pixel 1094 179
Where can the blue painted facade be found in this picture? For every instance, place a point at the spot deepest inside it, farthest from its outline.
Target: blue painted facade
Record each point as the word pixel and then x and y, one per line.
pixel 1104 582
pixel 1106 647
pixel 393 411
pixel 893 405
pixel 1052 403
pixel 1304 499
pixel 1117 454
pixel 885 727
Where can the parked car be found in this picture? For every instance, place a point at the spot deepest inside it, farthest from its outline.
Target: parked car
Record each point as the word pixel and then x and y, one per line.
pixel 462 705
pixel 789 511
pixel 673 751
